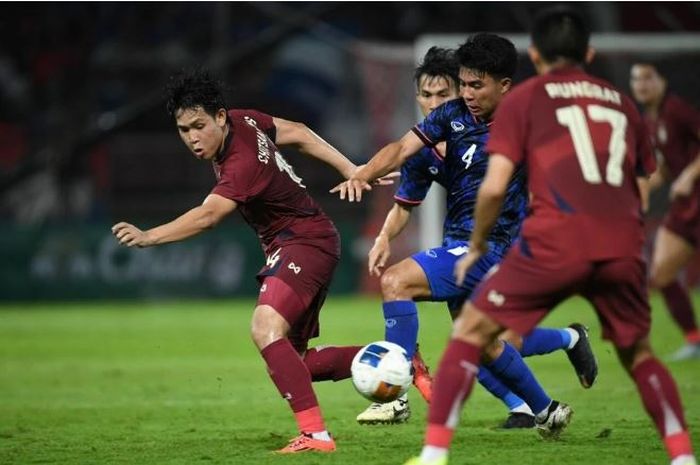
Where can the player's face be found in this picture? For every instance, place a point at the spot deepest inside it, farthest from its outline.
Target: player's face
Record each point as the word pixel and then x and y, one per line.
pixel 202 133
pixel 481 92
pixel 647 86
pixel 433 91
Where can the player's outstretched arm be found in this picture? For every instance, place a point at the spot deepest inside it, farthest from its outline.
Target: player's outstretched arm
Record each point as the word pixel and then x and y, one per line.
pixel 206 216
pixel 396 220
pixel 386 160
pixel 489 201
pixel 309 143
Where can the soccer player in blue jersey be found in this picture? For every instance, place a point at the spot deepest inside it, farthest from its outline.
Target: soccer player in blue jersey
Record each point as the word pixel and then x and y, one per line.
pixel 487 63
pixel 436 83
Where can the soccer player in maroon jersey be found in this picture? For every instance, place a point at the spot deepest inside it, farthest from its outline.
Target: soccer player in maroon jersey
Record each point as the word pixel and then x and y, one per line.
pixel 583 143
pixel 674 127
pixel 299 241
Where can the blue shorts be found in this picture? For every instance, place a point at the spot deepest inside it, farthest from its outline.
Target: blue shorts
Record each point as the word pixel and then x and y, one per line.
pixel 438 264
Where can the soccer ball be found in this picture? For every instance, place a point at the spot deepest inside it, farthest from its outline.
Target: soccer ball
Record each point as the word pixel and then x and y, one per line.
pixel 381 371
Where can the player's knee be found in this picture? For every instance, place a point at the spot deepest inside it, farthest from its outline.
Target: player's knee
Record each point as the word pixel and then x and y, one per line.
pixel 661 276
pixel 632 356
pixel 266 327
pixel 394 284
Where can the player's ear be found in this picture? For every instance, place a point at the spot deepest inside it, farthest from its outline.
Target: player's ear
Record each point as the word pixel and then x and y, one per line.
pixel 535 56
pixel 506 83
pixel 221 118
pixel 590 54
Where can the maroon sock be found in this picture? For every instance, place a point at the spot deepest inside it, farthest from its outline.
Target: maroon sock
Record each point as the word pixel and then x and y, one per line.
pixel 453 382
pixel 290 375
pixel 661 401
pixel 680 307
pixel 330 362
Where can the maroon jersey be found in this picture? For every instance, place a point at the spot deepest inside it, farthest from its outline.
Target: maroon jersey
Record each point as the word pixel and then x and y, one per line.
pixel 272 199
pixel 584 144
pixel 675 133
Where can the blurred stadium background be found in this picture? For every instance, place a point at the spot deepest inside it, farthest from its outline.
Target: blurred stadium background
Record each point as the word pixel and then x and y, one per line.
pixel 85 140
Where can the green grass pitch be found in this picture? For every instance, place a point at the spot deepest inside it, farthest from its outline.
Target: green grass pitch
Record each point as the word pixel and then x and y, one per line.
pixel 181 383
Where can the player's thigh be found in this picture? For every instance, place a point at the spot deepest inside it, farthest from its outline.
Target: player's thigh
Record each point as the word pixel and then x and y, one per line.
pixel 522 290
pixel 672 252
pixel 405 280
pixel 618 292
pixel 438 265
pixel 302 275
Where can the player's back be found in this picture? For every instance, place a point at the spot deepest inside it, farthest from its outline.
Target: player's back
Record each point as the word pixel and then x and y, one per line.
pixel 584 145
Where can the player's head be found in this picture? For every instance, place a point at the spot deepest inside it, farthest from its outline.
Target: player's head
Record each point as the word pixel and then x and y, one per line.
pixel 436 79
pixel 647 82
pixel 559 36
pixel 487 64
pixel 195 100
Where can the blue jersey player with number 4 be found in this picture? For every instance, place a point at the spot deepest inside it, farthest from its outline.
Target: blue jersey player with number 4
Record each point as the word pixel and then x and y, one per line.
pixel 487 64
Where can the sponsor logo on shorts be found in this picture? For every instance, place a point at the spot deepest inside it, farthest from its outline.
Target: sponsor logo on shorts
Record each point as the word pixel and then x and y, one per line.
pixel 431 253
pixel 271 260
pixel 295 268
pixel 496 298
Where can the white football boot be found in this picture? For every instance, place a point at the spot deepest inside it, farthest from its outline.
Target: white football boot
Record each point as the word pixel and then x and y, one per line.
pixel 558 417
pixel 389 413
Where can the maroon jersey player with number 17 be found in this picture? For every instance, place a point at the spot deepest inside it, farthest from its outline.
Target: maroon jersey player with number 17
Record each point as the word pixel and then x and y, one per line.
pixel 583 144
pixel 300 243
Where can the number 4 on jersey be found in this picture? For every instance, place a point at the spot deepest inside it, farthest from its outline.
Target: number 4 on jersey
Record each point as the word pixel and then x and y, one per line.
pixel 575 121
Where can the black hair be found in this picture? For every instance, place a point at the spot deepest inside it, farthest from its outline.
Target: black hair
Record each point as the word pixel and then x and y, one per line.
pixel 488 54
pixel 194 88
pixel 561 33
pixel 438 62
pixel 652 64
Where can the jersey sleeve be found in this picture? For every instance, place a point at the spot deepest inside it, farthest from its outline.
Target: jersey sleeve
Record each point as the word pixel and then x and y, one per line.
pixel 434 128
pixel 415 179
pixel 262 121
pixel 689 119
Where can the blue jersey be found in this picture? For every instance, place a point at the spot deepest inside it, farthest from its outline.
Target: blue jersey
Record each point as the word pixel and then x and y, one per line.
pixel 417 175
pixel 463 170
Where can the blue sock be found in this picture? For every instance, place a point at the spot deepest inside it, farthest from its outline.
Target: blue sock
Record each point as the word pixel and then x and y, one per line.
pixel 511 369
pixel 544 341
pixel 401 324
pixel 498 389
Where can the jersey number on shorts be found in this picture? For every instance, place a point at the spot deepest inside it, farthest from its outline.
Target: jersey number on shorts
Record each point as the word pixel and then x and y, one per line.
pixel 574 119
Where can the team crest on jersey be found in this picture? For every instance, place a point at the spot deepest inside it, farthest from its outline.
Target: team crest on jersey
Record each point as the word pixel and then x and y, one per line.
pixel 295 268
pixel 457 126
pixel 496 298
pixel 433 170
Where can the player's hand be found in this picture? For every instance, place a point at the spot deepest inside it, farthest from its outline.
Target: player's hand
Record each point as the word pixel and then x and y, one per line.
pixel 682 186
pixel 465 263
pixel 385 180
pixel 130 236
pixel 352 188
pixel 378 255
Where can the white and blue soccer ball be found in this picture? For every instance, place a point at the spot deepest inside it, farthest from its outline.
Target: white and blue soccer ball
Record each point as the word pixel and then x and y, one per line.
pixel 381 371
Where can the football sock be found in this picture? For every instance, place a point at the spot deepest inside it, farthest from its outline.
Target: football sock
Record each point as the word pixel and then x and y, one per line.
pixel 330 362
pixel 663 404
pixel 310 421
pixel 453 382
pixel 681 309
pixel 401 324
pixel 510 368
pixel 545 340
pixel 498 389
pixel 290 375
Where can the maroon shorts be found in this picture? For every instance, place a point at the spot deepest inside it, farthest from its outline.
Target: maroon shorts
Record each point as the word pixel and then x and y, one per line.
pixel 523 291
pixel 303 274
pixel 683 218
